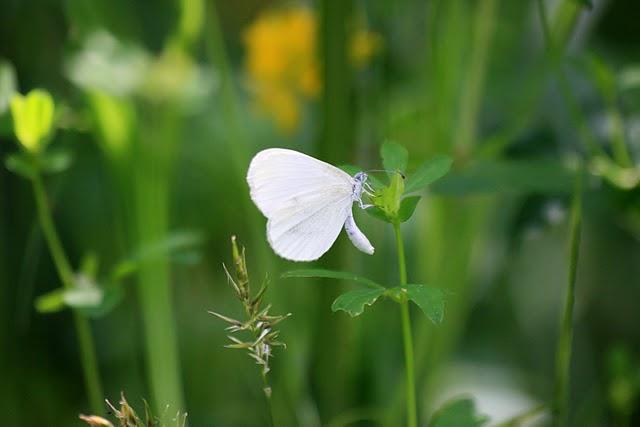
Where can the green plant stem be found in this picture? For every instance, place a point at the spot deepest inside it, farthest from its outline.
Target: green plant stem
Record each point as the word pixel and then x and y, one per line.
pixel 554 57
pixel 267 397
pixel 407 337
pixel 474 85
pixel 563 352
pixel 83 329
pixel 154 156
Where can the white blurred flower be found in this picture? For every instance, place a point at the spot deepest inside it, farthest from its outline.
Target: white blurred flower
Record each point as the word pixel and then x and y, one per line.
pixel 108 65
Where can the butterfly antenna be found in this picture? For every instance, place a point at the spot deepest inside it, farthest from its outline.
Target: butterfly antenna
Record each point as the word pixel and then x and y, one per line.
pixel 388 171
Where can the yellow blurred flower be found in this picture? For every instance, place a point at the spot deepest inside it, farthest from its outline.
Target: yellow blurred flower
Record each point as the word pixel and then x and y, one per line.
pixel 364 45
pixel 282 62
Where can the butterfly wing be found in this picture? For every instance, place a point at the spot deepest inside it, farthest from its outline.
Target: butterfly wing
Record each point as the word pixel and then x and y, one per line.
pixel 305 200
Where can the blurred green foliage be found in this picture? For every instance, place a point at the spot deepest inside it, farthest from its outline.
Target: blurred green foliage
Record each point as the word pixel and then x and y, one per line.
pixel 154 106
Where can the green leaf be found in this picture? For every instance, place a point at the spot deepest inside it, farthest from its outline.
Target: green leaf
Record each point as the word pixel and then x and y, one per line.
pixel 388 198
pixel 113 294
pixel 85 295
pixel 353 302
pixel 176 243
pixel 429 299
pixel 428 172
pixel 55 161
pixel 508 176
pixel 51 302
pixel 408 207
pixel 394 157
pixel 331 274
pixel 459 412
pixel 20 164
pixel 33 116
pixel 378 213
pixel 623 178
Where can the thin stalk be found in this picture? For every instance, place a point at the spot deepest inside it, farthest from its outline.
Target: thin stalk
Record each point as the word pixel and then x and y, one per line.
pixel 267 397
pixel 474 86
pixel 563 352
pixel 83 329
pixel 407 337
pixel 554 57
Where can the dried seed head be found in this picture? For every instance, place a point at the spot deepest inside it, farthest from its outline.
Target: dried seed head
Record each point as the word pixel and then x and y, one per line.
pixel 96 421
pixel 259 323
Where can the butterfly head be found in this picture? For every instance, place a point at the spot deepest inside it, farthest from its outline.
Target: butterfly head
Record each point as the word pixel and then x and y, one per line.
pixel 360 186
pixel 361 177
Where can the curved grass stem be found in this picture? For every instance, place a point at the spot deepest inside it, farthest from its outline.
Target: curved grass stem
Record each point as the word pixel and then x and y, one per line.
pixel 83 328
pixel 563 351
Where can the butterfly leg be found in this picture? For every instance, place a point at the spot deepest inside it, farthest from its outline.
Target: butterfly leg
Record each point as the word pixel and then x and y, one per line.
pixel 368 190
pixel 363 205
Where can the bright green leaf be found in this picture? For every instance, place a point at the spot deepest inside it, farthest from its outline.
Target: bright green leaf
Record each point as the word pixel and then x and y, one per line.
pixel 428 172
pixel 408 207
pixel 331 274
pixel 353 302
pixel 51 302
pixel 20 164
pixel 32 118
pixel 460 412
pixel 394 157
pixel 388 198
pixel 429 299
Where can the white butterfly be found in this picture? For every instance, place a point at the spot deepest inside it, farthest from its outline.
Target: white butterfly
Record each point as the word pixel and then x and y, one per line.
pixel 306 202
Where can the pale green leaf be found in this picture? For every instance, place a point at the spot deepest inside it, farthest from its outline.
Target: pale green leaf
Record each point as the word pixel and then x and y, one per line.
pixel 353 302
pixel 378 213
pixel 394 157
pixel 331 274
pixel 546 176
pixel 55 161
pixel 408 207
pixel 460 412
pixel 428 172
pixel 429 299
pixel 20 164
